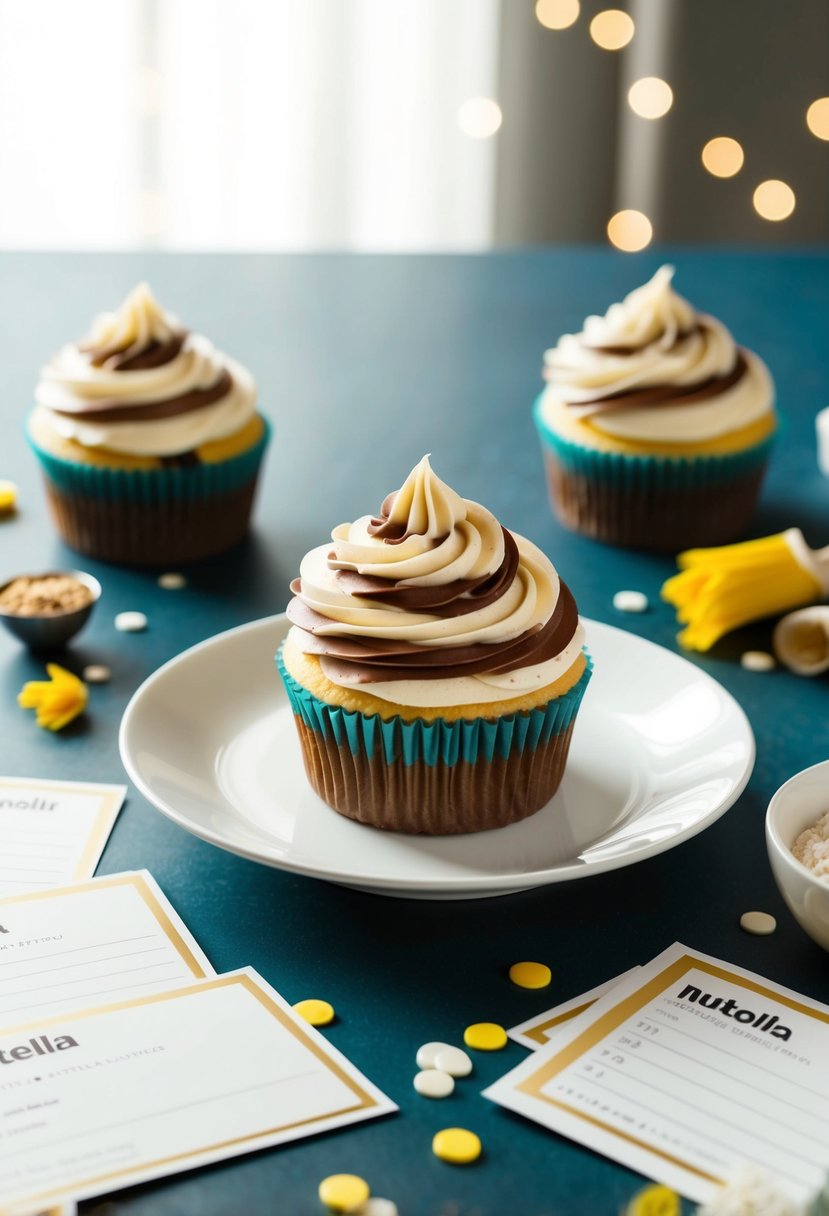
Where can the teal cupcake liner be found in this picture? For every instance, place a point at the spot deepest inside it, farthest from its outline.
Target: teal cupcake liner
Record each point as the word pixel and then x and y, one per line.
pixel 152 487
pixel 435 741
pixel 678 474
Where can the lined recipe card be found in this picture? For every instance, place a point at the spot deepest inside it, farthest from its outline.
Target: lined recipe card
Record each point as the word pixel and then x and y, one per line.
pixel 685 1070
pixel 106 1097
pixel 546 1026
pixel 102 940
pixel 53 832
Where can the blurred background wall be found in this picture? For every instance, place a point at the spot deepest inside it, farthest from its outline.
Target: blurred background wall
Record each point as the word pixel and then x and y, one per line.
pixel 411 124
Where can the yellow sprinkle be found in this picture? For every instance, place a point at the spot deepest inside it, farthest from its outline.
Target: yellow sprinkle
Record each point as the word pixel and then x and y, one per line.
pixel 318 1013
pixel 343 1192
pixel 8 497
pixel 654 1201
pixel 456 1145
pixel 530 975
pixel 485 1036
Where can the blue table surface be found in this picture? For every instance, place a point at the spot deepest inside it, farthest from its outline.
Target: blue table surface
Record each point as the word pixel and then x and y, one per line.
pixel 364 363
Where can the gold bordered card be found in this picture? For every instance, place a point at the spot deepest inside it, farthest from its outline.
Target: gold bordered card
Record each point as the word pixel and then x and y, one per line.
pixel 53 832
pixel 105 939
pixel 544 1027
pixel 103 1098
pixel 686 1070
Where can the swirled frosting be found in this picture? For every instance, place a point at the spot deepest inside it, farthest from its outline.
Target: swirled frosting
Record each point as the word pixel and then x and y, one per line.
pixel 654 369
pixel 140 384
pixel 433 602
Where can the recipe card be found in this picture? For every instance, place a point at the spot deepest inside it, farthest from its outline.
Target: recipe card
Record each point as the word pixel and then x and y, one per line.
pixel 53 832
pixel 546 1026
pixel 104 1098
pixel 685 1070
pixel 102 940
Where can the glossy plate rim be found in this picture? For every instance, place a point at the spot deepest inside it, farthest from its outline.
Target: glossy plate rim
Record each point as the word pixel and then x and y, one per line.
pixel 459 886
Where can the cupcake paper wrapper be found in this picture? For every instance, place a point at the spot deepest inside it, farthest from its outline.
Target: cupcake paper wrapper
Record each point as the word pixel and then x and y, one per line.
pixel 435 741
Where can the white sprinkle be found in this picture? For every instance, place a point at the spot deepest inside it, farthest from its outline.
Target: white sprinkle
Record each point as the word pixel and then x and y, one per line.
pixel 97 673
pixel 757 660
pixel 433 1083
pixel 378 1207
pixel 759 923
pixel 454 1061
pixel 426 1054
pixel 630 601
pixel 130 622
pixel 172 582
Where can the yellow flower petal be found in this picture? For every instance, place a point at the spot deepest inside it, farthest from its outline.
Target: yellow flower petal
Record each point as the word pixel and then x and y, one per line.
pixel 57 701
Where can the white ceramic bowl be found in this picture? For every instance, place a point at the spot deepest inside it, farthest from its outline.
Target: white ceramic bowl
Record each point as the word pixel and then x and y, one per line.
pixel 796 806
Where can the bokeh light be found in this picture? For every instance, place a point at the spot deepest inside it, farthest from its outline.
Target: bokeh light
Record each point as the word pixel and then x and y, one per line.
pixel 650 97
pixel 557 14
pixel 723 156
pixel 817 118
pixel 480 117
pixel 629 231
pixel 774 200
pixel 612 29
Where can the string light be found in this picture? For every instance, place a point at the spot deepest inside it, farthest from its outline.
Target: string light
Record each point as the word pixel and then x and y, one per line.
pixel 557 14
pixel 817 118
pixel 650 97
pixel 774 200
pixel 723 156
pixel 629 231
pixel 612 29
pixel 480 117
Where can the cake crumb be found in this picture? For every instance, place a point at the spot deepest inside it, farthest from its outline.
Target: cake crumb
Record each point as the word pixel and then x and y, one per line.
pixel 811 848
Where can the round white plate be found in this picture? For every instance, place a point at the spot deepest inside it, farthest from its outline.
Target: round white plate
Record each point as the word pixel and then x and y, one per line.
pixel 659 751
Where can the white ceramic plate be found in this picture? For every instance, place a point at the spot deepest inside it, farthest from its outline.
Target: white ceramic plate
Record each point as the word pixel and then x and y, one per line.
pixel 659 751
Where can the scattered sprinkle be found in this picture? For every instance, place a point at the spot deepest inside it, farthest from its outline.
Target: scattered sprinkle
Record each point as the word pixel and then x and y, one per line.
pixel 433 1083
pixel 8 497
pixel 427 1054
pixel 654 1201
pixel 530 975
pixel 344 1192
pixel 454 1061
pixel 316 1013
pixel 757 660
pixel 57 700
pixel 130 622
pixel 758 923
pixel 379 1207
pixel 485 1036
pixel 456 1145
pixel 97 673
pixel 630 601
pixel 172 582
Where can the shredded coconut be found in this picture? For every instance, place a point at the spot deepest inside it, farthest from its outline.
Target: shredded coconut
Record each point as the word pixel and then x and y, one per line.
pixel 812 848
pixel 751 1192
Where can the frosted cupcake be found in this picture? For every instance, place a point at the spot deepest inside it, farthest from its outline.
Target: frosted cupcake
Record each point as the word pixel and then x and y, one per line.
pixel 435 666
pixel 656 428
pixel 148 439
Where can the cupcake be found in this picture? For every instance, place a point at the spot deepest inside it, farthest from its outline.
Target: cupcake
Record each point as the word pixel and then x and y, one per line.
pixel 434 666
pixel 148 439
pixel 655 427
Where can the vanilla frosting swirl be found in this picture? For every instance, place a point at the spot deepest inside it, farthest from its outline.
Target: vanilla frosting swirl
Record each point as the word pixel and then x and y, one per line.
pixel 142 385
pixel 434 603
pixel 654 369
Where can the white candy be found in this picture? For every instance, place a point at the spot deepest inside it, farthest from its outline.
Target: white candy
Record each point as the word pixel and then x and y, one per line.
pixel 130 622
pixel 432 1083
pixel 378 1207
pixel 172 582
pixel 96 673
pixel 757 660
pixel 630 601
pixel 426 1054
pixel 759 923
pixel 454 1061
pixel 822 428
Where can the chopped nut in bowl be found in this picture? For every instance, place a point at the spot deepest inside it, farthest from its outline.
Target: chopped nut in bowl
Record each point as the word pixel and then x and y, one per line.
pixel 46 610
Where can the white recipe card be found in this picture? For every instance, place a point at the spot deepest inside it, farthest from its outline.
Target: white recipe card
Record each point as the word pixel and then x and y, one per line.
pixel 52 832
pixel 106 939
pixel 97 1100
pixel 684 1071
pixel 546 1026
